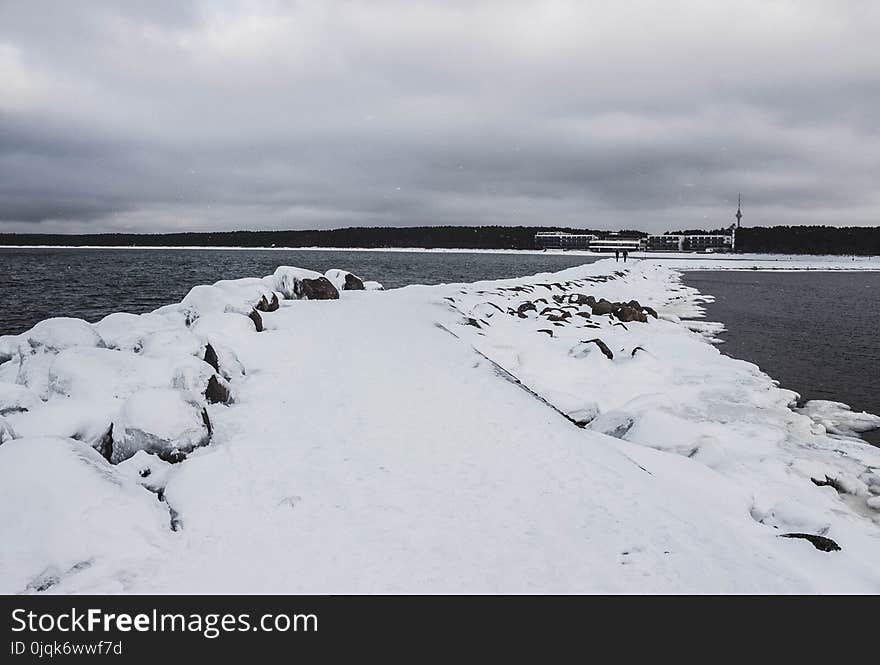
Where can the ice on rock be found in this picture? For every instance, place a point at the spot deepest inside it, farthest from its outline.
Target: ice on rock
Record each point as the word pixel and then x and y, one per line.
pixel 15 398
pixel 373 286
pixel 839 418
pixel 6 431
pixel 63 510
pixel 162 421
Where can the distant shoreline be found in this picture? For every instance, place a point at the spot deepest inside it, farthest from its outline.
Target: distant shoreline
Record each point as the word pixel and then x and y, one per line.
pixel 680 260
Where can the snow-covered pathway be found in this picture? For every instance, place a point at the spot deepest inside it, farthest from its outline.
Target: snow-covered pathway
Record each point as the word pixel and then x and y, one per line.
pixel 370 450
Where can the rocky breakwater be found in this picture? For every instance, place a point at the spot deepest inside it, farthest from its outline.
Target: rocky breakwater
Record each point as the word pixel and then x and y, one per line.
pixel 141 392
pixel 621 354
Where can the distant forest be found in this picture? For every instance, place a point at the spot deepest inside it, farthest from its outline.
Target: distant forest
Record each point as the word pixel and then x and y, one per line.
pixel 776 239
pixel 448 237
pixel 860 240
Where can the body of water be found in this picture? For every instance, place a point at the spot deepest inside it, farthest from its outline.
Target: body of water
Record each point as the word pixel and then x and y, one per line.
pixel 815 332
pixel 37 283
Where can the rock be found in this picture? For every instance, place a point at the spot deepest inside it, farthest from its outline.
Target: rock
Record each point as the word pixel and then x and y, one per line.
pixel 317 289
pixel 217 391
pixel 821 543
pixel 211 357
pixel 373 286
pixel 263 304
pixel 649 310
pixel 602 307
pixel 580 299
pixel 602 347
pixel 257 319
pixel 104 445
pixel 555 314
pixel 546 330
pixel 266 305
pixel 527 306
pixel 6 431
pixel 162 421
pixel 353 283
pixel 627 313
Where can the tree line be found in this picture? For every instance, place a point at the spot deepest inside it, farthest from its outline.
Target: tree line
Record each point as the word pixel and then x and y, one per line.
pixel 776 239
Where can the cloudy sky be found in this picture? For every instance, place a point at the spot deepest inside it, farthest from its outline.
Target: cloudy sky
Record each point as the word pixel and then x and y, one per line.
pixel 171 115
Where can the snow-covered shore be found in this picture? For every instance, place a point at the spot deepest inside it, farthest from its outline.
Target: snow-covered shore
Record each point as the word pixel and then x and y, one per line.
pixel 503 436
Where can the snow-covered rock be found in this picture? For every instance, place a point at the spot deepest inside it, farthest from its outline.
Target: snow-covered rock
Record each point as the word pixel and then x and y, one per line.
pixel 161 421
pixel 64 511
pixel 15 398
pixel 85 420
pixel 57 334
pixel 296 283
pixel 344 280
pixel 108 373
pixel 373 286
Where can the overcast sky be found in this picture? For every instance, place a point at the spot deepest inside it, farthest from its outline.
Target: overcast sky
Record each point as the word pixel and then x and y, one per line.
pixel 169 115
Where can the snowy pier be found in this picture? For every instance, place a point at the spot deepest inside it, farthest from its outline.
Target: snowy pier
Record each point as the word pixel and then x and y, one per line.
pixel 566 432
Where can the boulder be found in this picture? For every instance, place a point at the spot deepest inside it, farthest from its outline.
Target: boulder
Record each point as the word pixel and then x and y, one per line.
pixel 602 307
pixel 267 305
pixel 628 313
pixel 263 304
pixel 317 289
pixel 211 357
pixel 162 421
pixel 603 347
pixel 257 319
pixel 527 306
pixel 217 391
pixel 580 299
pixel 373 286
pixel 344 280
pixel 821 543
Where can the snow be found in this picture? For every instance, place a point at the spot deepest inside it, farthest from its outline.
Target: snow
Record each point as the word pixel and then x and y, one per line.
pixel 67 514
pixel 430 439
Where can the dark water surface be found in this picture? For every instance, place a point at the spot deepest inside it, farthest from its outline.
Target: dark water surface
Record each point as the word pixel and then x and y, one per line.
pixel 815 332
pixel 38 283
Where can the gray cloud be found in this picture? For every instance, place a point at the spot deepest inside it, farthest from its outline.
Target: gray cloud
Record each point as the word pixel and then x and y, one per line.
pixel 221 115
